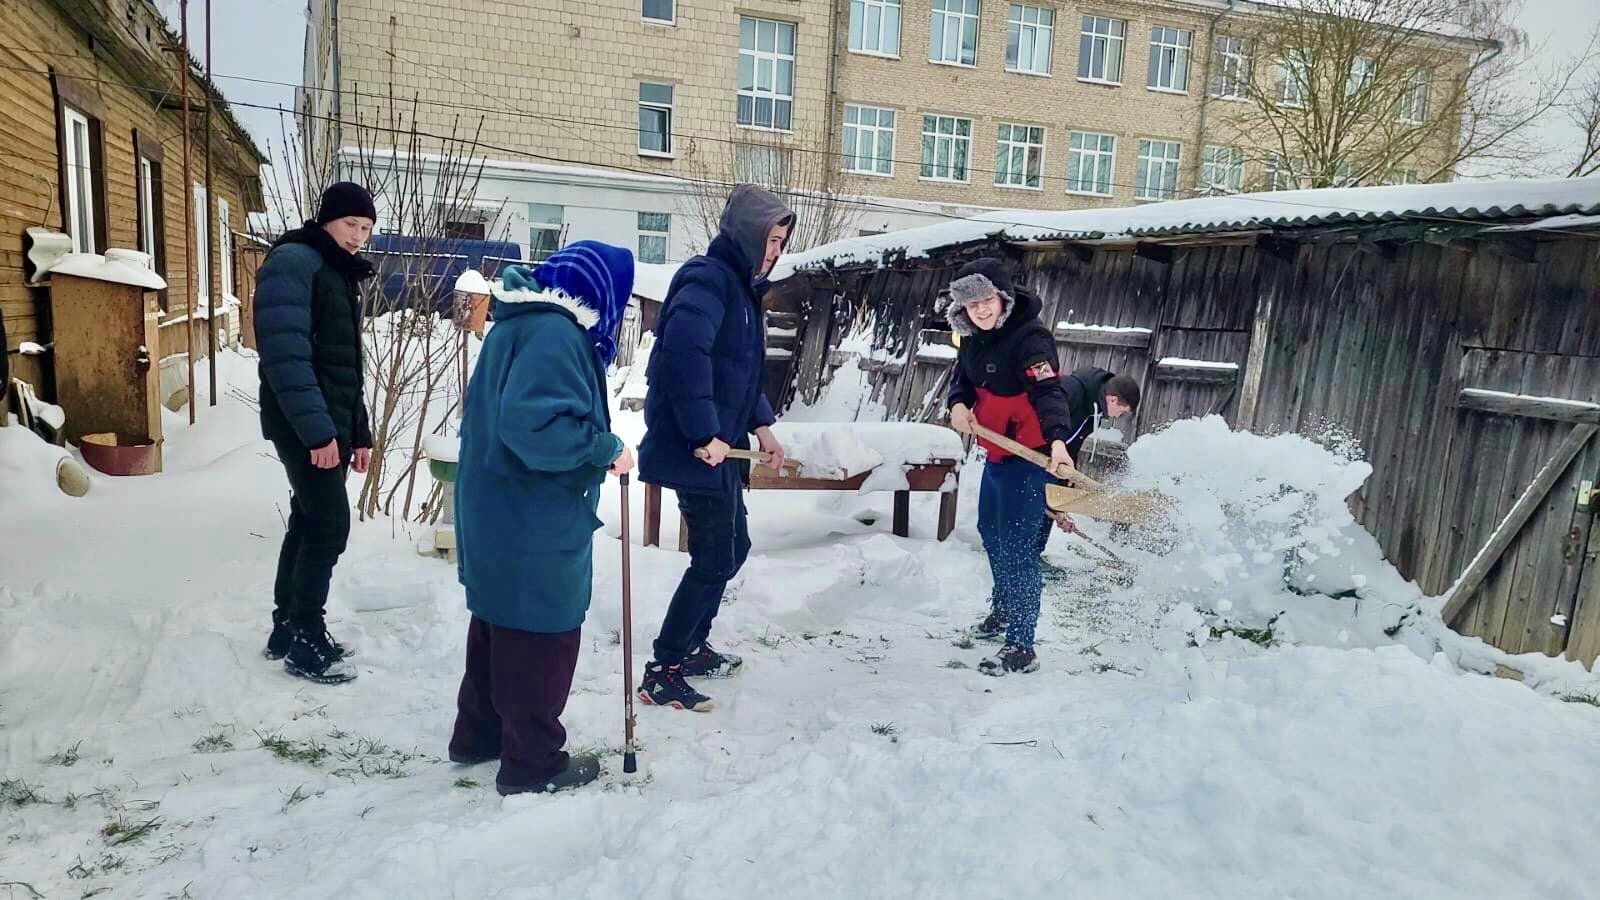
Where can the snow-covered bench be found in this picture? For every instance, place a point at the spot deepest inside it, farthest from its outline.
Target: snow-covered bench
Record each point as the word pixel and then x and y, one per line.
pixel 860 457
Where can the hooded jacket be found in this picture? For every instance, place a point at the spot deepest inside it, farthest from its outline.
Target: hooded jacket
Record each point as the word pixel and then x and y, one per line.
pixel 1009 376
pixel 1086 404
pixel 705 372
pixel 308 332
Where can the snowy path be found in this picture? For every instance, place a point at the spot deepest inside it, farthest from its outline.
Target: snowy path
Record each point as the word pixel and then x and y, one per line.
pixel 130 630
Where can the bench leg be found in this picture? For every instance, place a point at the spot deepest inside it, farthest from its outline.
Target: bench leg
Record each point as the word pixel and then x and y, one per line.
pixel 947 514
pixel 902 513
pixel 652 515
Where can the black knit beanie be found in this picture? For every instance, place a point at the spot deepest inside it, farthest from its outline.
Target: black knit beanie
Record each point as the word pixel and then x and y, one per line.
pixel 346 198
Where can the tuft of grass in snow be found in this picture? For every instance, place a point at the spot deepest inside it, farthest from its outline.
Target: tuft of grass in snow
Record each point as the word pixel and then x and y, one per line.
pixel 956 664
pixel 107 863
pixel 213 743
pixel 125 831
pixel 615 635
pixel 768 641
pixel 1591 699
pixel 32 891
pixel 1261 636
pixel 887 729
pixel 19 793
pixel 297 796
pixel 65 758
pixel 965 642
pixel 308 752
pixel 1092 649
pixel 467 783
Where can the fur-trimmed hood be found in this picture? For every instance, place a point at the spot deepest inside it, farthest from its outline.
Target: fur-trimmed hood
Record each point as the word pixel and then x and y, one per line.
pixel 514 302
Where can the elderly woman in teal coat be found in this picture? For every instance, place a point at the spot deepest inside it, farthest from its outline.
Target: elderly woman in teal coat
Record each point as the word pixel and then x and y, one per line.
pixel 536 445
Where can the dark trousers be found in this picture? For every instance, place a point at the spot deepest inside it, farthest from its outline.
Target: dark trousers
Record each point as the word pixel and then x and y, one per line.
pixel 1015 526
pixel 719 543
pixel 319 528
pixel 511 700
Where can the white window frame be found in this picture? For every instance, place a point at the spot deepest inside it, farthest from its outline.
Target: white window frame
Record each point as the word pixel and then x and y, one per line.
pixel 1007 147
pixel 1170 159
pixel 668 108
pixel 1171 55
pixel 954 140
pixel 1414 102
pixel 762 164
pixel 80 181
pixel 877 164
pixel 1222 169
pixel 940 19
pixel 1363 72
pixel 147 207
pixel 655 234
pixel 1230 68
pixel 763 59
pixel 671 20
pixel 202 244
pixel 1080 157
pixel 1278 169
pixel 1405 176
pixel 1103 42
pixel 225 247
pixel 860 15
pixel 1294 80
pixel 1042 31
pixel 534 224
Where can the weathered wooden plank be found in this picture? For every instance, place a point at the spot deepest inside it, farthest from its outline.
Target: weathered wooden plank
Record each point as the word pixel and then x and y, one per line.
pixel 1509 404
pixel 1099 337
pixel 1507 530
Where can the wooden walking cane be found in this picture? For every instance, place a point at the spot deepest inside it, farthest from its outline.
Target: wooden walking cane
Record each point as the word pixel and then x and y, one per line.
pixel 629 763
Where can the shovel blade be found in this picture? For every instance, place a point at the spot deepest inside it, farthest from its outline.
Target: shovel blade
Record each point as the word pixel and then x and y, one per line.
pixel 1136 508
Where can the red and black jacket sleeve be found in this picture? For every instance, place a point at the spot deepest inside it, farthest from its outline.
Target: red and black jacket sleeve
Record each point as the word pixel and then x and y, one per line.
pixel 1040 368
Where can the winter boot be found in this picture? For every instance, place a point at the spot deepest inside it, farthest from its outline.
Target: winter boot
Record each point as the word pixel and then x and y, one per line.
pixel 664 686
pixel 1010 659
pixel 278 642
pixel 580 770
pixel 310 657
pixel 992 628
pixel 705 662
pixel 340 651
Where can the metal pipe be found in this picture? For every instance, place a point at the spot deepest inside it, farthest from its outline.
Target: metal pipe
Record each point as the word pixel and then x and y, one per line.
pixel 188 204
pixel 213 260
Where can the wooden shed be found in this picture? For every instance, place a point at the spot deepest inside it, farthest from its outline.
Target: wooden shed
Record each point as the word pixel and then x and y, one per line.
pixel 1453 330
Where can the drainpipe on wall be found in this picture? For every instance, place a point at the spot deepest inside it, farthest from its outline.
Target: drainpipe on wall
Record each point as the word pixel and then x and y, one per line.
pixel 830 122
pixel 1205 97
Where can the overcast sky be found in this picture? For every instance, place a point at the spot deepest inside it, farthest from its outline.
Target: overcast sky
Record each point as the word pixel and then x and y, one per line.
pixel 264 39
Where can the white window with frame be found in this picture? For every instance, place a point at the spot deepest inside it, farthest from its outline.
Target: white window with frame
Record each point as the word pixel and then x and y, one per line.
pixel 201 252
pixel 1090 160
pixel 1294 79
pixel 545 225
pixel 1169 59
pixel 868 140
pixel 1222 170
pixel 766 166
pixel 766 74
pixel 1030 31
pixel 659 12
pixel 1100 48
pixel 225 247
pixel 149 183
pixel 875 27
pixel 1230 68
pixel 946 148
pixel 1283 173
pixel 1156 177
pixel 1405 176
pixel 655 119
pixel 1019 157
pixel 1414 102
pixel 80 182
pixel 655 232
pixel 1363 71
pixel 1344 174
pixel 953 33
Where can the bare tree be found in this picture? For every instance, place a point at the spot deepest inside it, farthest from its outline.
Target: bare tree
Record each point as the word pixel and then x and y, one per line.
pixel 1584 111
pixel 1341 92
pixel 796 167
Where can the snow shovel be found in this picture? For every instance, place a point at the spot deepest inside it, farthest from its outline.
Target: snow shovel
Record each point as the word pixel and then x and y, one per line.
pixel 630 763
pixel 1088 497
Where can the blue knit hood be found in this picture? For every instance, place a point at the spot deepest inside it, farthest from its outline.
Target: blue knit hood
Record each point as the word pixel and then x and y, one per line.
pixel 592 280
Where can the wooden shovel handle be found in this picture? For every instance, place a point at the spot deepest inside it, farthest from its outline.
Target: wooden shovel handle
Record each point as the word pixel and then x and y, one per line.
pixel 1035 457
pixel 754 456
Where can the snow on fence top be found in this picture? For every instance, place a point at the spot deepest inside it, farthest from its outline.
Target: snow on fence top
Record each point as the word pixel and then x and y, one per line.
pixel 1181 363
pixel 1502 395
pixel 1459 201
pixel 651 280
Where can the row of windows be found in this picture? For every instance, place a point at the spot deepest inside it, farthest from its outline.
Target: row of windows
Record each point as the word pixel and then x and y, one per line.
pixel 547 232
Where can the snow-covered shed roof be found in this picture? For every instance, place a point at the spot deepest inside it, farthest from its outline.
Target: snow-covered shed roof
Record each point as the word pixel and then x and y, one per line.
pixel 1451 203
pixel 651 280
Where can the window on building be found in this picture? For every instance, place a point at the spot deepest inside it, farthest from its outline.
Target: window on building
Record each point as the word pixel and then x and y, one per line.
pixel 83 182
pixel 1283 174
pixel 659 11
pixel 1169 58
pixel 149 190
pixel 766 166
pixel 953 33
pixel 201 252
pixel 1222 170
pixel 655 119
pixel 868 140
pixel 1029 34
pixel 875 27
pixel 1362 72
pixel 225 247
pixel 1344 174
pixel 1414 102
pixel 1405 176
pixel 1019 157
pixel 655 230
pixel 1100 49
pixel 946 148
pixel 1157 175
pixel 465 231
pixel 1230 68
pixel 766 73
pixel 1294 79
pixel 1090 159
pixel 545 228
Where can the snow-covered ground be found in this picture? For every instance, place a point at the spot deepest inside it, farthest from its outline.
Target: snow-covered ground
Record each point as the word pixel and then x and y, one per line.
pixel 859 755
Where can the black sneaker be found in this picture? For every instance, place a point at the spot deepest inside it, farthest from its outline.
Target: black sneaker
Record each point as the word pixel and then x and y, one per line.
pixel 1010 659
pixel 664 686
pixel 580 770
pixel 340 651
pixel 705 662
pixel 278 642
pixel 311 658
pixel 992 628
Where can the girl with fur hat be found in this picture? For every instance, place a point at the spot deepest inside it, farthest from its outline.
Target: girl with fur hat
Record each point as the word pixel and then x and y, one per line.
pixel 536 444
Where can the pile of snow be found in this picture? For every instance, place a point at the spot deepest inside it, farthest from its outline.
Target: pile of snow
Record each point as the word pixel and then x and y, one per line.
pixel 27 470
pixel 637 383
pixel 444 448
pixel 848 395
pixel 886 449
